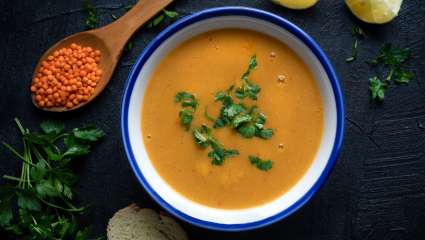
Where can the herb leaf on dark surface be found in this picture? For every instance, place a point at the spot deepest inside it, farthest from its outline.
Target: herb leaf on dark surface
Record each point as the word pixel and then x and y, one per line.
pixel 43 192
pixel 164 16
pixel 393 58
pixel 263 165
pixel 377 88
pixel 358 34
pixel 91 20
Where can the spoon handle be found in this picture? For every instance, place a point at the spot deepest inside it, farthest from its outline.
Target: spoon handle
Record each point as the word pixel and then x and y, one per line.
pixel 118 32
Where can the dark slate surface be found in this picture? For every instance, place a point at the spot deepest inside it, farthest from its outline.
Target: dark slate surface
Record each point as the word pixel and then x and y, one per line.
pixel 377 188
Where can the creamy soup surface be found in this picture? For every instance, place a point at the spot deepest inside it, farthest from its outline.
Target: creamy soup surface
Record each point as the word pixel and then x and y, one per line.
pixel 212 62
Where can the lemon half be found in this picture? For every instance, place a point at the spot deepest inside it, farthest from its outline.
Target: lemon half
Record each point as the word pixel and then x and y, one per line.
pixel 375 11
pixel 296 4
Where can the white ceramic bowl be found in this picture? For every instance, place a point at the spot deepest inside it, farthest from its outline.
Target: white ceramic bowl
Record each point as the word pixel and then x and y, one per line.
pixel 304 189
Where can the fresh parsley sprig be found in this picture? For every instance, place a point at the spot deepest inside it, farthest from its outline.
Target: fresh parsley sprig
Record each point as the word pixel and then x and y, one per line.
pixel 189 105
pixel 393 58
pixel 43 194
pixel 263 165
pixel 247 88
pixel 204 138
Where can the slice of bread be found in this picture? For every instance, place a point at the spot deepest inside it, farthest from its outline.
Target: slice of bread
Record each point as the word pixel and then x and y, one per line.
pixel 134 223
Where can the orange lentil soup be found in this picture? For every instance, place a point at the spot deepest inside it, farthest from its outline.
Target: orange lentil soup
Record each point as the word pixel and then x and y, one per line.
pixel 211 62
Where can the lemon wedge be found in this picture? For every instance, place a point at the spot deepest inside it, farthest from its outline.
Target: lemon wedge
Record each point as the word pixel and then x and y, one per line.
pixel 296 4
pixel 375 11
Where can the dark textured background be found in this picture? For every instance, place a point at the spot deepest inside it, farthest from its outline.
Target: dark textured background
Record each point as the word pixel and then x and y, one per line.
pixel 377 188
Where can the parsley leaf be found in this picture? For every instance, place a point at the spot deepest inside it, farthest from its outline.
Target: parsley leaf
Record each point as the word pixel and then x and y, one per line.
pixel 253 125
pixel 52 127
pixel 91 133
pixel 263 165
pixel 161 18
pixel 219 154
pixel 29 202
pixel 91 20
pixel 402 76
pixel 377 88
pixel 247 88
pixel 247 123
pixel 229 110
pixel 189 105
pixel 391 56
pixel 204 138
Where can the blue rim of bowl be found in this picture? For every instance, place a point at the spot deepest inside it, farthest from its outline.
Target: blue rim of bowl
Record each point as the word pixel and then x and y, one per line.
pixel 253 13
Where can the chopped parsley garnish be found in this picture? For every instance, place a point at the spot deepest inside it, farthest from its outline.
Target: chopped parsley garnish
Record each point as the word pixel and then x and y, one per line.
pixel 189 105
pixel 40 202
pixel 161 18
pixel 358 34
pixel 263 165
pixel 247 88
pixel 204 138
pixel 248 123
pixel 252 124
pixel 229 110
pixel 91 20
pixel 393 58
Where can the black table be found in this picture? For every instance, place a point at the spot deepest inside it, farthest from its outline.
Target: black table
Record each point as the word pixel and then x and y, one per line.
pixel 377 188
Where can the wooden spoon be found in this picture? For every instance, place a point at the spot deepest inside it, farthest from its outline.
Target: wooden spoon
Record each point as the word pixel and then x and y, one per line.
pixel 110 40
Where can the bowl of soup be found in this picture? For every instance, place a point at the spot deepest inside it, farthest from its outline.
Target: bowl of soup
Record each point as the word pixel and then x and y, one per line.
pixel 232 118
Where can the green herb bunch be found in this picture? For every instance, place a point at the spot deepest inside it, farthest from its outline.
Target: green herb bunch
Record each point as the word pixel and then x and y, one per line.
pixel 247 122
pixel 392 58
pixel 39 204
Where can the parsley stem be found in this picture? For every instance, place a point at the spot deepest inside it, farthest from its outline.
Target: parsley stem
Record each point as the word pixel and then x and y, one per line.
pixel 17 154
pixel 19 126
pixel 71 205
pixel 39 156
pixel 60 136
pixel 59 207
pixel 208 116
pixel 13 151
pixel 13 178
